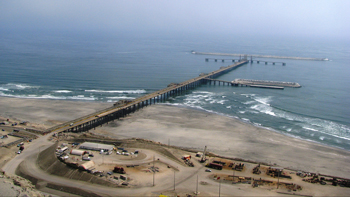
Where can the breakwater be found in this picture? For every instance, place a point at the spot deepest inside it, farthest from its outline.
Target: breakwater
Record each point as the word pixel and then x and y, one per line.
pixel 260 56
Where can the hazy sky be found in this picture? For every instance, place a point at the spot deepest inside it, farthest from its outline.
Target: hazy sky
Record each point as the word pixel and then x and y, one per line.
pixel 290 17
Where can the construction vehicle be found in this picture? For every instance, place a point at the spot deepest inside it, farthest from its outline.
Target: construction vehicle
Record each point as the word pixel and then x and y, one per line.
pixel 214 166
pixel 203 159
pixel 189 163
pixel 186 157
pixel 256 169
pixel 119 170
pixel 21 148
pixel 277 172
pixel 238 167
pixel 220 162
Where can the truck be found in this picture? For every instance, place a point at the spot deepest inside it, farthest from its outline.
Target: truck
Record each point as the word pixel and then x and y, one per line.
pixel 119 170
pixel 215 166
pixel 21 148
pixel 63 149
pixel 186 157
pixel 86 158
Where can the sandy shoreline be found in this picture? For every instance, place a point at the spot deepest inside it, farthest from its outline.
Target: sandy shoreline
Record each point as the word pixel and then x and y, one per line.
pixel 191 128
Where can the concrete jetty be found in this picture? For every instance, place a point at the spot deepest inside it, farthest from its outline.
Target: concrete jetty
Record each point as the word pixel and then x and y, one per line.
pixel 255 83
pixel 259 83
pixel 260 56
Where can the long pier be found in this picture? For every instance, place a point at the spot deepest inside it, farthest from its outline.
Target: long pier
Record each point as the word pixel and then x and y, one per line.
pixel 260 56
pixel 94 120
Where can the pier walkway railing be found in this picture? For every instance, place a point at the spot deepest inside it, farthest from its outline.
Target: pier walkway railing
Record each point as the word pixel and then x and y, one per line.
pixel 118 111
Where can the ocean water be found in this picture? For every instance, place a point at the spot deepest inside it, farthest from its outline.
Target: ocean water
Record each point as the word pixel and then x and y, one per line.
pixel 108 68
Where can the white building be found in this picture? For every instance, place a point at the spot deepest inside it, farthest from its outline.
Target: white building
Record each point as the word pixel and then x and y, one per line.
pixel 96 146
pixel 87 165
pixel 77 152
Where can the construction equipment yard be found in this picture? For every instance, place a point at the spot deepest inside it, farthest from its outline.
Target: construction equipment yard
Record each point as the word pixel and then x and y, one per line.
pixel 149 166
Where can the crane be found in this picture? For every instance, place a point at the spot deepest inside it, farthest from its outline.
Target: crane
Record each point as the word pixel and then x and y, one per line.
pixel 203 159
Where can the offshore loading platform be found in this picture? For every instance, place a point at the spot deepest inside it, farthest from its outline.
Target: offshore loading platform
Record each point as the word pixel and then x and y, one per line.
pixel 255 83
pixel 263 83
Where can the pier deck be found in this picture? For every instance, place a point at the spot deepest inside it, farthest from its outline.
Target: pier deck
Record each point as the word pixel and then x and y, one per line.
pixel 104 116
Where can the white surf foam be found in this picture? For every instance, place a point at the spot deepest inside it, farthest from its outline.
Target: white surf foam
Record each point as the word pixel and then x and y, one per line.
pixel 201 92
pixel 266 109
pixel 17 86
pixel 120 97
pixel 263 100
pixel 245 119
pixel 248 95
pixel 248 102
pixel 118 91
pixel 62 91
pixel 311 129
pixel 49 96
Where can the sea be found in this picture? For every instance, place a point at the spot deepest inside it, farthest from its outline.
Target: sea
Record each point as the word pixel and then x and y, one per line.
pixel 108 67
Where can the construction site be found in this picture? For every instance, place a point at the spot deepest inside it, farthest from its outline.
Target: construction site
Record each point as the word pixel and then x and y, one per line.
pixel 121 165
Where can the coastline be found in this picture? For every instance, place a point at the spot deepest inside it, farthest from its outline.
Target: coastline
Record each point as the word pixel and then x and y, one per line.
pixel 191 128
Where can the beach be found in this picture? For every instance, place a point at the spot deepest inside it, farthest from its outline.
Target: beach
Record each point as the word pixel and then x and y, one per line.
pixel 190 128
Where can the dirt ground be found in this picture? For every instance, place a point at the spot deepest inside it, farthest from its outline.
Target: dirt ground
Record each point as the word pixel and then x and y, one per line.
pixel 193 129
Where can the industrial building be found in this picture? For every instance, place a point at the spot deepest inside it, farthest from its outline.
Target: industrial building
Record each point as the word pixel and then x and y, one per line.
pixel 77 152
pixel 87 165
pixel 96 146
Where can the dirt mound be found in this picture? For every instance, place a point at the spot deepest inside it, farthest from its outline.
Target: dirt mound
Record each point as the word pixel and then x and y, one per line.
pixel 17 186
pixel 146 144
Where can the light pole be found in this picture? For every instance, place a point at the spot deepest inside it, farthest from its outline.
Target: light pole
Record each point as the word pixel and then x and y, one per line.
pixel 154 170
pixel 219 187
pixel 233 176
pixel 278 181
pixel 174 179
pixel 197 186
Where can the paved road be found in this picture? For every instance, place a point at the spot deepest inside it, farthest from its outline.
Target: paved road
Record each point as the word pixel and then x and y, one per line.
pixel 31 150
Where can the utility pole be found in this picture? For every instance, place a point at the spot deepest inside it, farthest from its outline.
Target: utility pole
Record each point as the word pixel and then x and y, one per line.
pixel 154 170
pixel 174 179
pixel 233 176
pixel 197 186
pixel 278 181
pixel 219 187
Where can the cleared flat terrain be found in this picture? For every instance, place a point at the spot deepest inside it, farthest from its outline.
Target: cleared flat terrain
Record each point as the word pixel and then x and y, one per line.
pixel 184 128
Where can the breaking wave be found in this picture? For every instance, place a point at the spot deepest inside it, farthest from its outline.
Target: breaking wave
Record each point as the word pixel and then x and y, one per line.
pixel 119 91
